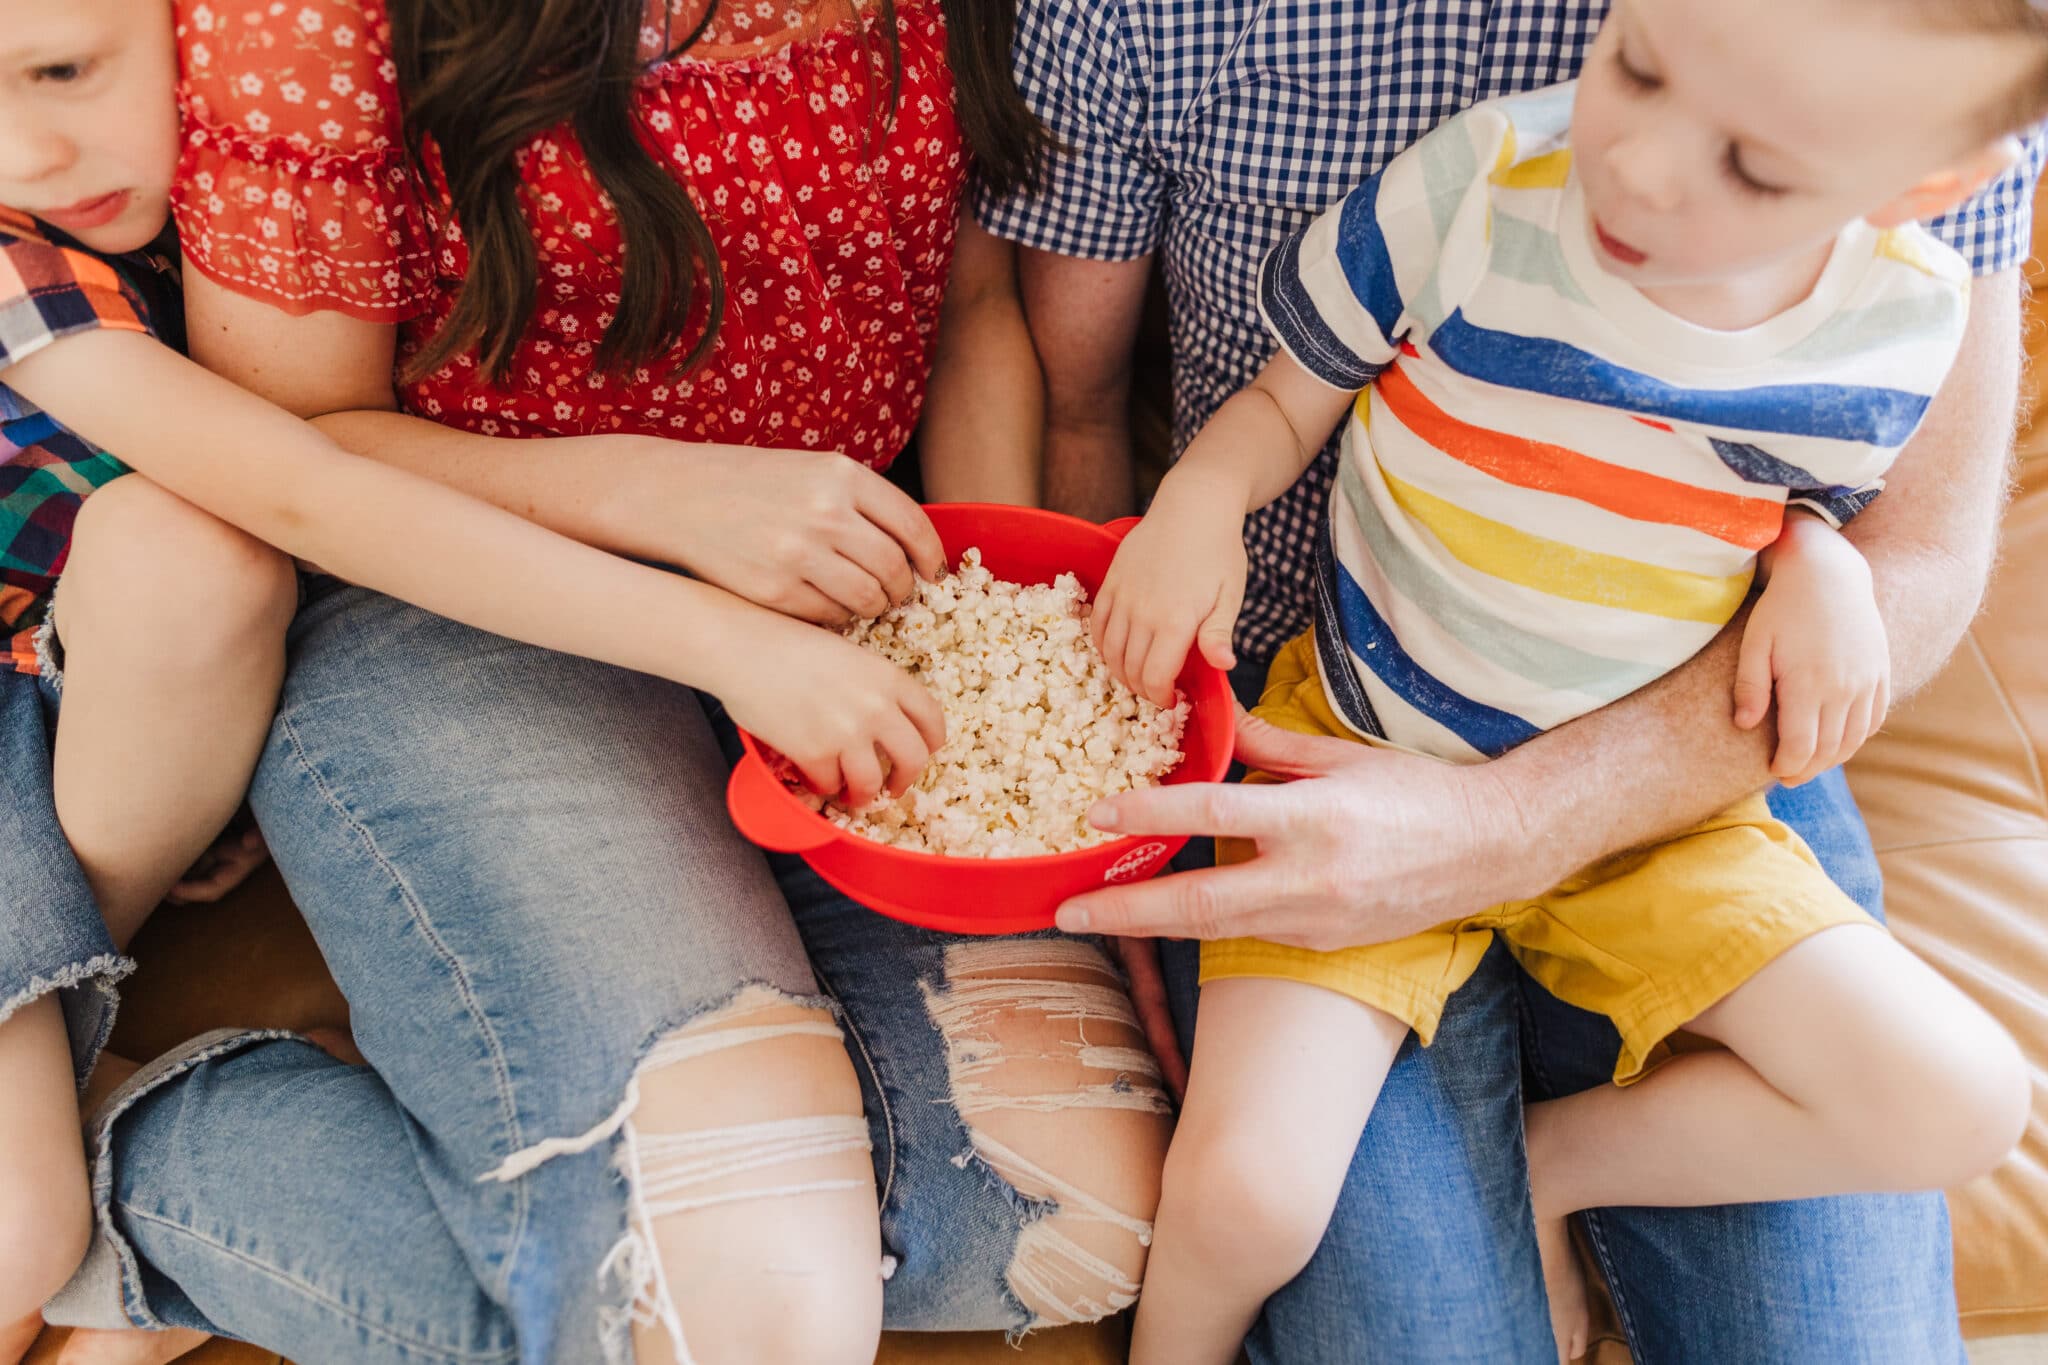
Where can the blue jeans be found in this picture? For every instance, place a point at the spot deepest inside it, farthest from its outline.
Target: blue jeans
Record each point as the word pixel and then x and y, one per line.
pixel 52 938
pixel 518 867
pixel 1431 1255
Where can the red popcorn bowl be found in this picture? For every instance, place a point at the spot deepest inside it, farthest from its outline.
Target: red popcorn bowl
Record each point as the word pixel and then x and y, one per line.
pixel 991 895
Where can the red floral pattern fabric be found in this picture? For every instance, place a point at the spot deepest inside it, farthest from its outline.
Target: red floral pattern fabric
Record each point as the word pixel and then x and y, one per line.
pixel 834 231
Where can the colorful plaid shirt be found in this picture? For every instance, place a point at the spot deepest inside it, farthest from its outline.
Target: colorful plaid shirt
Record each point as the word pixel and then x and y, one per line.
pixel 1209 130
pixel 50 287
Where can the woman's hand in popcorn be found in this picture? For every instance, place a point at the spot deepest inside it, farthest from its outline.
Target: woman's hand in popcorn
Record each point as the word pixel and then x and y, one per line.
pixel 1177 582
pixel 808 533
pixel 850 721
pixel 1359 845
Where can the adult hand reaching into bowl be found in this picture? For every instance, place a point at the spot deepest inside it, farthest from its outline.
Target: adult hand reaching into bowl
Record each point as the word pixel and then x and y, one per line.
pixel 808 533
pixel 1358 845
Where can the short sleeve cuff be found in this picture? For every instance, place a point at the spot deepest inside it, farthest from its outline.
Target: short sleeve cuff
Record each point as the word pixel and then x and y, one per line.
pixel 1064 218
pixel 56 293
pixel 1994 231
pixel 1291 315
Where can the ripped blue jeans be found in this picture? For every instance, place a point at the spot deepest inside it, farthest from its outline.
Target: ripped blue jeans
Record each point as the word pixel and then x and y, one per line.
pixel 518 867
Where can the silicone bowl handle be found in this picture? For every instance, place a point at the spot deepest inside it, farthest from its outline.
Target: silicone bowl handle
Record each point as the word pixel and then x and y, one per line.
pixel 763 811
pixel 1122 526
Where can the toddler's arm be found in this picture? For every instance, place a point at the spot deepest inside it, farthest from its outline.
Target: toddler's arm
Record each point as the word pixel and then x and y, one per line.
pixel 825 704
pixel 1815 639
pixel 1179 576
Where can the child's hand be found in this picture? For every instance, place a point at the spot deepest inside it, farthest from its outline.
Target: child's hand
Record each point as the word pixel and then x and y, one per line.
pixel 1177 580
pixel 239 851
pixel 834 710
pixel 1816 640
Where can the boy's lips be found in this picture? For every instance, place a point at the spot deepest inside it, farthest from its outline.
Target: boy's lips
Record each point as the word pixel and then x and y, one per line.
pixel 1615 247
pixel 88 213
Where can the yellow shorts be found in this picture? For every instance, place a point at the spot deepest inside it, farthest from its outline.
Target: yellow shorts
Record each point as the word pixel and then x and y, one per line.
pixel 1650 938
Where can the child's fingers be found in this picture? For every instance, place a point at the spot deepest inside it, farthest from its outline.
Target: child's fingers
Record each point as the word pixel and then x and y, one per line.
pixel 861 768
pixel 1753 678
pixel 898 736
pixel 1136 647
pixel 1857 727
pixel 821 774
pixel 1115 632
pixel 1828 747
pixel 903 744
pixel 1798 731
pixel 1162 666
pixel 1105 607
pixel 927 716
pixel 1214 636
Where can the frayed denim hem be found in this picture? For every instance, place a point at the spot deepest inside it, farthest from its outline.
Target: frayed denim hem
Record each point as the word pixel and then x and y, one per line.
pixel 106 1291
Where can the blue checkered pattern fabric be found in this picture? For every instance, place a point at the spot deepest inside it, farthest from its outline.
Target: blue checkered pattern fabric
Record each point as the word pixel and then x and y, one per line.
pixel 1208 130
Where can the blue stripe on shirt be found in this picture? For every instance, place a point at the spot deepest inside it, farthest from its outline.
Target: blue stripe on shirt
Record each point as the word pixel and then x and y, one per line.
pixel 1299 324
pixel 1362 251
pixel 1369 639
pixel 1872 415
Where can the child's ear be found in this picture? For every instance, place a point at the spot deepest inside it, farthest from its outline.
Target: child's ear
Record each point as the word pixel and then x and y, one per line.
pixel 1947 188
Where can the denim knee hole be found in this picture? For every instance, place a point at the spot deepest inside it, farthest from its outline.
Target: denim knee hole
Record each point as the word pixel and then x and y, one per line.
pixel 661 1169
pixel 1072 983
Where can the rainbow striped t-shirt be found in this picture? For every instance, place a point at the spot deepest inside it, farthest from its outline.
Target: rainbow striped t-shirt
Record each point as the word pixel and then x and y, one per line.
pixel 1552 491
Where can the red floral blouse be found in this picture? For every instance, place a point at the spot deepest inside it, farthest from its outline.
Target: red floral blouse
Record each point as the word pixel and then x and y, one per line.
pixel 835 241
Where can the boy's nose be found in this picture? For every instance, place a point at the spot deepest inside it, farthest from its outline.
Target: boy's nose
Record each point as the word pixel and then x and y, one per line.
pixel 29 154
pixel 1646 172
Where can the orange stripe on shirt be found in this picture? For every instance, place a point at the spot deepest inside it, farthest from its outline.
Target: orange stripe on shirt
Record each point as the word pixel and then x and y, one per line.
pixel 1750 523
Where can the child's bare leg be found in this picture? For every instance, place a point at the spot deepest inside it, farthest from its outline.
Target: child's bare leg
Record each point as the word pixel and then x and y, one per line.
pixel 45 1208
pixel 173 629
pixel 1564 1285
pixel 1282 1079
pixel 1852 1067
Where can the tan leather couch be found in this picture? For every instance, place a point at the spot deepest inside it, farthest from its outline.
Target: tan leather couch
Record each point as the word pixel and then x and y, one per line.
pixel 1957 802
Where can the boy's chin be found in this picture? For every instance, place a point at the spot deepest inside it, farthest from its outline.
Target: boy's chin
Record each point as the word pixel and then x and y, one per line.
pixel 133 231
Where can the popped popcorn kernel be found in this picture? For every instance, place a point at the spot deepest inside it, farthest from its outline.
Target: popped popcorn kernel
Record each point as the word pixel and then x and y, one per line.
pixel 1037 731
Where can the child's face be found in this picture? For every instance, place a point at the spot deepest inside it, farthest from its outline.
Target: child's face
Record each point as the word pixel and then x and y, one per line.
pixel 1715 138
pixel 89 116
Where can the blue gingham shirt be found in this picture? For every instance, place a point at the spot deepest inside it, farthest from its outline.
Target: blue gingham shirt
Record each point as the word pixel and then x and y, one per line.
pixel 1210 129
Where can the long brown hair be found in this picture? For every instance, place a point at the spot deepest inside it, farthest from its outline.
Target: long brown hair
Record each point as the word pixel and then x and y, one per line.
pixel 479 80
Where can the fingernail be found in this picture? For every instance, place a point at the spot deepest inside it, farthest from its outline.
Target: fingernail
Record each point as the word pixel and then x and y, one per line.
pixel 1102 815
pixel 1072 919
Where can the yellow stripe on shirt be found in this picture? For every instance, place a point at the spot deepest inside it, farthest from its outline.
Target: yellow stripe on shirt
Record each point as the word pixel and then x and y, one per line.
pixel 1546 172
pixel 1550 566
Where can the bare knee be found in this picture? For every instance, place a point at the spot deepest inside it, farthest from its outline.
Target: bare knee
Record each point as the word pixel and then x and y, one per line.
pixel 1236 1202
pixel 755 1231
pixel 1955 1115
pixel 142 555
pixel 1050 1075
pixel 45 1228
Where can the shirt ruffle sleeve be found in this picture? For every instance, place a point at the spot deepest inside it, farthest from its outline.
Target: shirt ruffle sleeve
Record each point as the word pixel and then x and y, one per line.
pixel 293 186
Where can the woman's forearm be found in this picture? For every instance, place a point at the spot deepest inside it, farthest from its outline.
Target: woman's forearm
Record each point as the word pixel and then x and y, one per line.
pixel 983 432
pixel 525 477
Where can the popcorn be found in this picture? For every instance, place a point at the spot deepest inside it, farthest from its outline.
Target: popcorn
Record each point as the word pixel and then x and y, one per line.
pixel 1036 729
